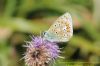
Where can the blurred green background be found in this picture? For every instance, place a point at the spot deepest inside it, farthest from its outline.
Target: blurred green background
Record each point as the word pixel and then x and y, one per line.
pixel 21 18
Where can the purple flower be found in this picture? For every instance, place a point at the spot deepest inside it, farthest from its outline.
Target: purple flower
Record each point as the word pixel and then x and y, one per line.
pixel 40 52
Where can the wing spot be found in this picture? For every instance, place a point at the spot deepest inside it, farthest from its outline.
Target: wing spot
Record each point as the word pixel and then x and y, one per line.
pixel 68 30
pixel 68 27
pixel 67 24
pixel 64 29
pixel 59 24
pixel 55 25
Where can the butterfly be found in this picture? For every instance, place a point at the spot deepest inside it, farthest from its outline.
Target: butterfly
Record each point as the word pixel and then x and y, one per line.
pixel 61 30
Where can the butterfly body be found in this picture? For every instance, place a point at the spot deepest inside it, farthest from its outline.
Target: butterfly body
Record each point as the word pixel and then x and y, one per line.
pixel 61 30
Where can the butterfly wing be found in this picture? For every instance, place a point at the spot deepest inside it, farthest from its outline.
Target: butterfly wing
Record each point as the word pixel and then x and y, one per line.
pixel 61 30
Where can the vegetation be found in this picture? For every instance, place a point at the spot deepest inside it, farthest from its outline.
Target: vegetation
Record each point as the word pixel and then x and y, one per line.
pixel 21 18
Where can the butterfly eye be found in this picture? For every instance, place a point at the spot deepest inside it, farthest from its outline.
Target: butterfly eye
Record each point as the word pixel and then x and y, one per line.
pixel 44 33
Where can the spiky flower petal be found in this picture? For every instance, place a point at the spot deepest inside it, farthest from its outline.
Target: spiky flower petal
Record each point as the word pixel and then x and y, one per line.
pixel 40 52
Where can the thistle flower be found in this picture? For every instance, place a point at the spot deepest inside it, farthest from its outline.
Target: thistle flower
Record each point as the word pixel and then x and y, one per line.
pixel 40 52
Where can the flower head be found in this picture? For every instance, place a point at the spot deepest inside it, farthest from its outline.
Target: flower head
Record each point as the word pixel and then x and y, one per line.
pixel 40 52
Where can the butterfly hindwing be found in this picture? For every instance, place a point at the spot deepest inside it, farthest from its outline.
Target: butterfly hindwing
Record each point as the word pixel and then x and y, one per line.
pixel 61 30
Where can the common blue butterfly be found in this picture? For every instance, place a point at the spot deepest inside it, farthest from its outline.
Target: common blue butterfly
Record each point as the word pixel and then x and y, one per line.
pixel 61 30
